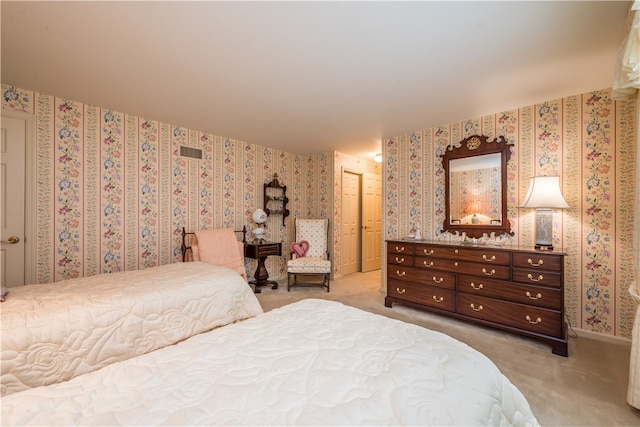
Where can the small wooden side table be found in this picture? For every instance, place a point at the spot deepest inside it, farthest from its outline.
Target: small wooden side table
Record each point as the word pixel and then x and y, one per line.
pixel 261 251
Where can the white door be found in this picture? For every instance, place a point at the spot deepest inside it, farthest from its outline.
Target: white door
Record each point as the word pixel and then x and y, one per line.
pixel 350 223
pixel 12 201
pixel 371 222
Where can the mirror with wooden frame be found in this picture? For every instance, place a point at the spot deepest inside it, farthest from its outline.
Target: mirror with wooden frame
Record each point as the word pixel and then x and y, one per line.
pixel 476 186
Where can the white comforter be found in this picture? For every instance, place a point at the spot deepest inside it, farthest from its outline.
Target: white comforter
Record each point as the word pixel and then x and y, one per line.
pixel 309 363
pixel 54 332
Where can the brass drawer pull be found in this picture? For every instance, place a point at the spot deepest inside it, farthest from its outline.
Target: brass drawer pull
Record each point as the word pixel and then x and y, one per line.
pixel 493 258
pixel 427 265
pixel 533 322
pixel 534 297
pixel 428 253
pixel 535 264
pixel 438 300
pixel 478 287
pixel 540 277
pixel 400 273
pixel 401 291
pixel 455 263
pixel 479 308
pixel 399 260
pixel 399 248
pixel 490 273
pixel 456 251
pixel 440 280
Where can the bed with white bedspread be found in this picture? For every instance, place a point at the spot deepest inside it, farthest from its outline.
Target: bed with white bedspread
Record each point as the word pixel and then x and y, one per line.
pixel 55 332
pixel 313 362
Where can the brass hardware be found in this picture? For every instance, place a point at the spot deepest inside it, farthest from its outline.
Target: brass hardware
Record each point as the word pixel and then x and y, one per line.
pixel 400 274
pixel 540 277
pixel 491 273
pixel 455 263
pixel 428 253
pixel 534 297
pixel 456 251
pixel 493 258
pixel 427 265
pixel 474 143
pixel 438 300
pixel 13 240
pixel 479 308
pixel 478 287
pixel 401 291
pixel 437 280
pixel 535 264
pixel 400 249
pixel 399 260
pixel 533 322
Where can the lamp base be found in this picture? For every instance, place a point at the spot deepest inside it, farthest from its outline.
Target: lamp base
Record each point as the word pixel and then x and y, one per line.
pixel 544 247
pixel 544 230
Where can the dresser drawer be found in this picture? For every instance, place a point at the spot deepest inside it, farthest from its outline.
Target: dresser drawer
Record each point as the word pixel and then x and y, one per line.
pixel 485 271
pixel 442 299
pixel 538 261
pixel 464 254
pixel 533 319
pixel 254 250
pixel 495 271
pixel 513 292
pixel 537 277
pixel 400 248
pixel 436 278
pixel 400 259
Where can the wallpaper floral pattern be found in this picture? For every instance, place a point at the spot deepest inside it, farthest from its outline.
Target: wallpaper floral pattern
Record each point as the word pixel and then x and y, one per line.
pixel 113 192
pixel 589 140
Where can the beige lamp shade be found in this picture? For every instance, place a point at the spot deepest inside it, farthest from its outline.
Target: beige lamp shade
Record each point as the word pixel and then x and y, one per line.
pixel 544 193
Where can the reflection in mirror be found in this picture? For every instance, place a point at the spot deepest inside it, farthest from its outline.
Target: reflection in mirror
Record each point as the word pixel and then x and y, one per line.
pixel 475 190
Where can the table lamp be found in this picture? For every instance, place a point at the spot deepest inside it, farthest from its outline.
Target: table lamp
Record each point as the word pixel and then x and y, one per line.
pixel 544 196
pixel 259 217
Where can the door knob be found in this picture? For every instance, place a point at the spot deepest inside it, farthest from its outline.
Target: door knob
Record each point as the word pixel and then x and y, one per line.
pixel 12 240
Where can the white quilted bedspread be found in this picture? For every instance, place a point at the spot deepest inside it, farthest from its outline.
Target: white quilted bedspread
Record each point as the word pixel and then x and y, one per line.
pixel 313 362
pixel 54 332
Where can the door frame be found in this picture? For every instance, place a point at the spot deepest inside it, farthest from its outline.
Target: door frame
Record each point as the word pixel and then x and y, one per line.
pixel 30 200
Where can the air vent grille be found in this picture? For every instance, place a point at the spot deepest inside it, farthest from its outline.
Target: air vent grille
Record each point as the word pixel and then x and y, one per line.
pixel 193 153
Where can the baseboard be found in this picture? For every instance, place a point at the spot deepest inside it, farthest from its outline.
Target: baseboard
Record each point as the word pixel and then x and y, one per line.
pixel 603 337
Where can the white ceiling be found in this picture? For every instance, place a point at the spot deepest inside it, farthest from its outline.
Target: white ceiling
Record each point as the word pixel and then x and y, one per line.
pixel 310 77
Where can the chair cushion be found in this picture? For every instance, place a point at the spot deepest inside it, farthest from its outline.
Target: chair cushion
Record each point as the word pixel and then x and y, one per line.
pixel 311 265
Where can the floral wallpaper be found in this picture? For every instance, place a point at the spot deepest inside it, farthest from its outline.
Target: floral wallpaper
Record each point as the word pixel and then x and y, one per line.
pixel 113 192
pixel 588 140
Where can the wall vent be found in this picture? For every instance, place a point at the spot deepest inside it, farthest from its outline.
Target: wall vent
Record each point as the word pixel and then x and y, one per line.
pixel 193 153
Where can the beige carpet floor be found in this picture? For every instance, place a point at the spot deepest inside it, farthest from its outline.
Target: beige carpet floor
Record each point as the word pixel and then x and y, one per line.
pixel 588 388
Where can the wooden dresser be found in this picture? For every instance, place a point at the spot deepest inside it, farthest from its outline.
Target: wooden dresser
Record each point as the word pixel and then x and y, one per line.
pixel 512 288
